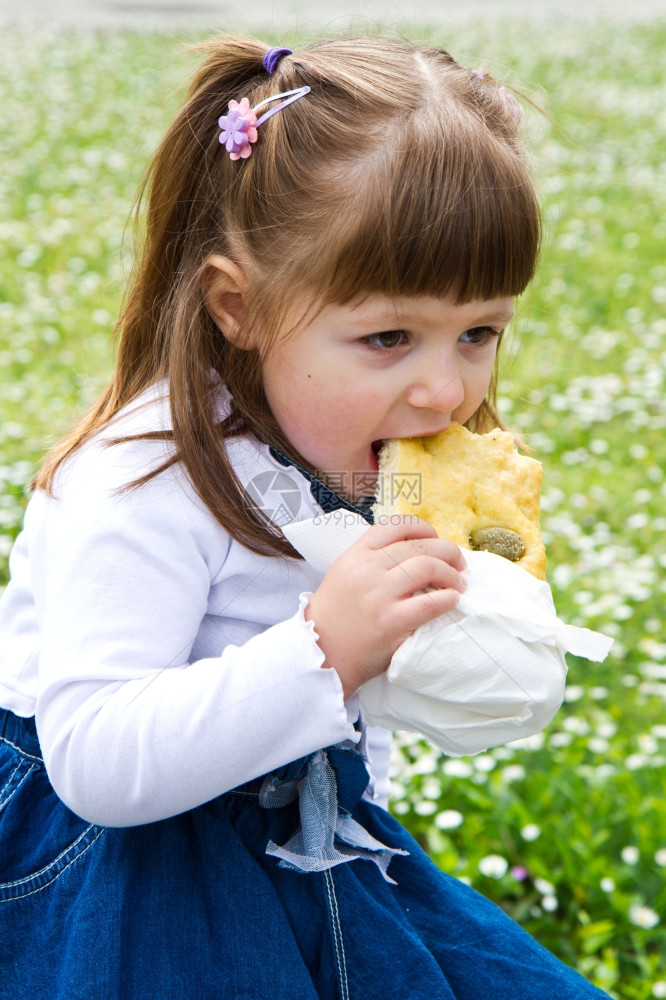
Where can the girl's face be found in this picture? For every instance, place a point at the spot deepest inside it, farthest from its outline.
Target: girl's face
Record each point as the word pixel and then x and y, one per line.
pixel 380 368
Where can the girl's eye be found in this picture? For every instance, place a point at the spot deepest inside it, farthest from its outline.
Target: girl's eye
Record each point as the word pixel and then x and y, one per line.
pixel 479 336
pixel 386 340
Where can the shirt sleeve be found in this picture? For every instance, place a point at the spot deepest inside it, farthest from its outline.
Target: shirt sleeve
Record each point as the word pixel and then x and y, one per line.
pixel 378 746
pixel 131 731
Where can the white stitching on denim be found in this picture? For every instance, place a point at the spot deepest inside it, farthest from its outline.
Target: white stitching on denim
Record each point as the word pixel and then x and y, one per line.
pixel 60 856
pixel 10 779
pixel 337 935
pixel 4 801
pixel 32 756
pixel 55 860
pixel 24 895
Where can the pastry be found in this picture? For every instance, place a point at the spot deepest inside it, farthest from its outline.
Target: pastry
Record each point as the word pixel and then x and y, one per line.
pixel 475 489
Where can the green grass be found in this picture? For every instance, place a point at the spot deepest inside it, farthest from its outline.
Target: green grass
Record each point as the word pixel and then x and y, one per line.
pixel 567 830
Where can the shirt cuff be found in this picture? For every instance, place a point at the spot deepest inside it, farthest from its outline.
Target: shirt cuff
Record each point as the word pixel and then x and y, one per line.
pixel 352 705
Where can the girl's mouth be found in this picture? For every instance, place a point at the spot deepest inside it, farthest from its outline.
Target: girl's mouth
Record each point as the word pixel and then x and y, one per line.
pixel 376 448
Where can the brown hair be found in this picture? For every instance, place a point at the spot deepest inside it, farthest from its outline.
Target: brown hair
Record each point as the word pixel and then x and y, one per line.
pixel 401 173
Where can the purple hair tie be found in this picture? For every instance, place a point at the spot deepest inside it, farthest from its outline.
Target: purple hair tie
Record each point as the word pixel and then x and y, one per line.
pixel 272 58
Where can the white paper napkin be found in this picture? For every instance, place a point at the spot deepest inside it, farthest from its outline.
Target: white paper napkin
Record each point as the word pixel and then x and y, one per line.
pixel 490 671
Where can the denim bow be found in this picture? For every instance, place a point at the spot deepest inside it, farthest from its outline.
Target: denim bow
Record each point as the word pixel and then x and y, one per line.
pixel 327 835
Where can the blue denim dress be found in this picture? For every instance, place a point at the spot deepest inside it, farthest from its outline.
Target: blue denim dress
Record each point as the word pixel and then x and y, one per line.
pixel 291 886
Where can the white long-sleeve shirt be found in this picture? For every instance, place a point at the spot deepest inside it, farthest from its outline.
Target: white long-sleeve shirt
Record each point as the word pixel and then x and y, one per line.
pixel 164 662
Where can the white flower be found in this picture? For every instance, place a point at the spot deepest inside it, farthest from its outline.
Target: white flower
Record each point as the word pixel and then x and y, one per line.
pixel 659 988
pixel 573 724
pixel 431 788
pixel 457 768
pixel 560 740
pixel 493 865
pixel 449 819
pixel 514 772
pixel 530 832
pixel 544 887
pixel 660 857
pixel 643 916
pixel 604 771
pixel 630 855
pixel 647 744
pixel 426 764
pixel 549 903
pixel 607 885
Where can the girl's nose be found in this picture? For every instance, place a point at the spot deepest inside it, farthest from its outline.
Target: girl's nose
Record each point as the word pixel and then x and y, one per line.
pixel 440 388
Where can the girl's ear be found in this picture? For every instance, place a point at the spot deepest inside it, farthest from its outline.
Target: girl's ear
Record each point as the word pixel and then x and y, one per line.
pixel 225 290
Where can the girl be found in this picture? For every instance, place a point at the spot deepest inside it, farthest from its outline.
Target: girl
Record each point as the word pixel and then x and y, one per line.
pixel 334 240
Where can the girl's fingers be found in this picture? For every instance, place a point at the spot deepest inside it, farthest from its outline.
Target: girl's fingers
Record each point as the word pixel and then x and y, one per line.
pixel 411 537
pixel 381 535
pixel 439 548
pixel 421 572
pixel 423 607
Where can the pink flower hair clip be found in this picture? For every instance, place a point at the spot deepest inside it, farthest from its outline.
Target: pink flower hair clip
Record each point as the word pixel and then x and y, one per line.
pixel 239 126
pixel 509 99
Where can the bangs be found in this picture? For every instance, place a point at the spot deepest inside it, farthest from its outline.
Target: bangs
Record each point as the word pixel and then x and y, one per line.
pixel 434 219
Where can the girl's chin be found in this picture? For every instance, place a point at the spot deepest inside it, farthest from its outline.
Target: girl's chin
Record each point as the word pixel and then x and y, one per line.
pixel 359 482
pixel 364 481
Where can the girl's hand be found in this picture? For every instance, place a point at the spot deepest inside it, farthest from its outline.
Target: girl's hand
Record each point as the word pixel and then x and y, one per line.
pixel 374 596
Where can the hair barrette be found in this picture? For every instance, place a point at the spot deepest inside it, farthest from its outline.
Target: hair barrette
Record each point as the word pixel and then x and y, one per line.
pixel 239 126
pixel 512 103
